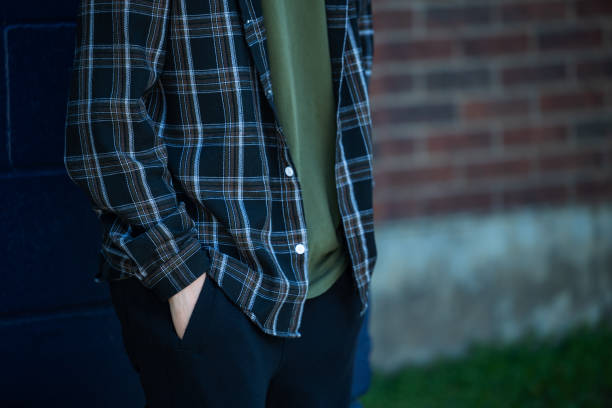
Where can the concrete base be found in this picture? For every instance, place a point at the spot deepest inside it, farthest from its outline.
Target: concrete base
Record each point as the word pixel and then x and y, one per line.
pixel 442 283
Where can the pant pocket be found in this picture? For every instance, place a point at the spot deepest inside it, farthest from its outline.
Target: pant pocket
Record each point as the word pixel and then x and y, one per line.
pixel 195 332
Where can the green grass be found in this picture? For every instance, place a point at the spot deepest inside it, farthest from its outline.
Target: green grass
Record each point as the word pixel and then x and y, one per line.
pixel 574 371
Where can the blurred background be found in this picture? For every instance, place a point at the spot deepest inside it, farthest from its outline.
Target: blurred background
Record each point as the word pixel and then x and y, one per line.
pixel 493 172
pixel 493 211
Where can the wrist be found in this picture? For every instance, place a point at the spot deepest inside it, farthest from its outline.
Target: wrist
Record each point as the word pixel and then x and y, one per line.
pixel 183 294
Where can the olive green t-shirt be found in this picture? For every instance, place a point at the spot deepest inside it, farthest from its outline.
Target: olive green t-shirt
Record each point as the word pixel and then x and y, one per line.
pixel 300 69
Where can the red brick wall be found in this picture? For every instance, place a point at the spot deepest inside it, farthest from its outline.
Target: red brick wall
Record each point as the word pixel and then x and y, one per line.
pixel 489 105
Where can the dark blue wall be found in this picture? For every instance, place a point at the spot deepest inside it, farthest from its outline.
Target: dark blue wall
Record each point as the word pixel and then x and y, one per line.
pixel 60 339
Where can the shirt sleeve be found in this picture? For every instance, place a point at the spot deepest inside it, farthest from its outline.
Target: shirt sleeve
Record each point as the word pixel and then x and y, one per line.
pixel 113 151
pixel 366 35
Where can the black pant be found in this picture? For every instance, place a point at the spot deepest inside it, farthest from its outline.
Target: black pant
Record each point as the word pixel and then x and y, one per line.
pixel 225 360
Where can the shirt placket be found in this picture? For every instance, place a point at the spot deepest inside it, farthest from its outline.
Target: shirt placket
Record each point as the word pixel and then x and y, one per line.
pixel 253 24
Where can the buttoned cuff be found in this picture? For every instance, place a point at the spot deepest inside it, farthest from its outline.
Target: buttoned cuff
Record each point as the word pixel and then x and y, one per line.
pixel 184 271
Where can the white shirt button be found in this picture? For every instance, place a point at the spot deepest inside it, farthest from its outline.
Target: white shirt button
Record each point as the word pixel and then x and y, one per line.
pixel 299 248
pixel 269 92
pixel 289 171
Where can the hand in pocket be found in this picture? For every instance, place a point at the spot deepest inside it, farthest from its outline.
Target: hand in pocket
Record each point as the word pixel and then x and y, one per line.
pixel 182 304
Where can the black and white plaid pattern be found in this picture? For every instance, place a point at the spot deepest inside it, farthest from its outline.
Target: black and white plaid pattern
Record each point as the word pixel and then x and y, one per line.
pixel 171 132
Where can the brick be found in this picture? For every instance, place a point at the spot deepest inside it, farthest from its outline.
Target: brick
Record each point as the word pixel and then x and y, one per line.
pixel 453 17
pixel 415 49
pixel 534 11
pixel 481 109
pixel 496 45
pixel 595 69
pixel 392 210
pixel 444 112
pixel 499 168
pixel 593 8
pixel 572 161
pixel 459 202
pixel 394 147
pixel 534 74
pixel 593 130
pixel 570 39
pixel 532 195
pixel 379 209
pixel 417 175
pixel 447 203
pixel 458 79
pixel 535 135
pixel 392 19
pixel 380 84
pixel 449 142
pixel 589 190
pixel 555 102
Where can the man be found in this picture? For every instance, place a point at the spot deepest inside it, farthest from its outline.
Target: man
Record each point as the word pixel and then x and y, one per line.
pixel 225 146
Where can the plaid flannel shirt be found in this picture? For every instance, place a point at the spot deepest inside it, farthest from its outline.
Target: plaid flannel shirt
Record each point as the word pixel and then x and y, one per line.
pixel 172 133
